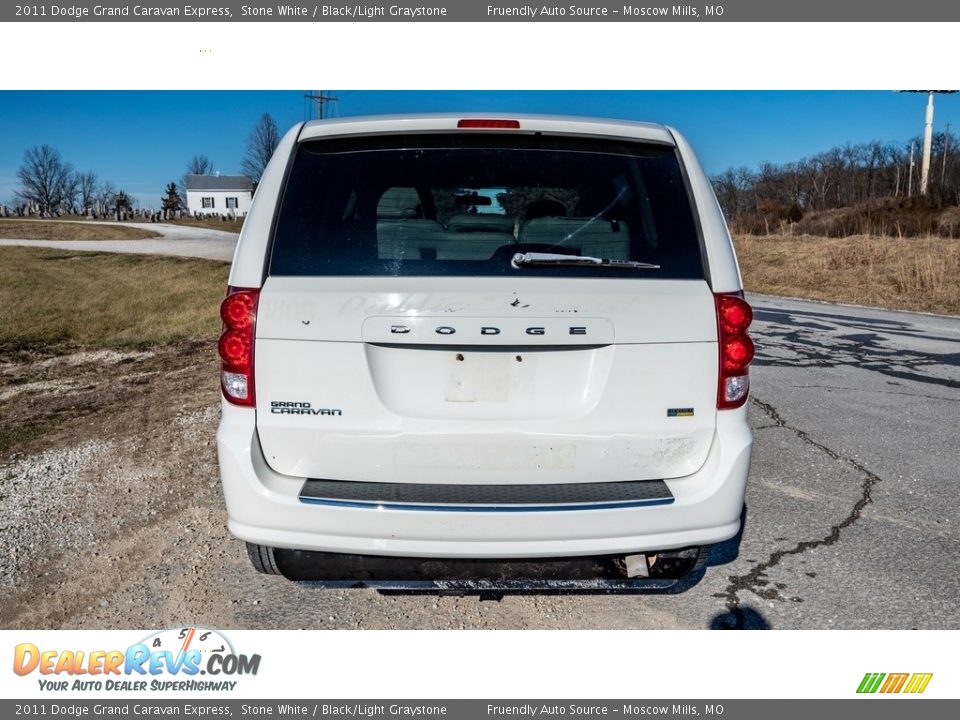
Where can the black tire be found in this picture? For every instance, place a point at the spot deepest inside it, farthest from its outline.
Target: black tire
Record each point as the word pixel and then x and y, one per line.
pixel 263 559
pixel 694 572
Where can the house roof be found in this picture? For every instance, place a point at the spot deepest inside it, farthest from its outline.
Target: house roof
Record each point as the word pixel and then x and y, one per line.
pixel 219 182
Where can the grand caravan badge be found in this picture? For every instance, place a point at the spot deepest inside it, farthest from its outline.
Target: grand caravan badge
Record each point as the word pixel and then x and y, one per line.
pixel 282 407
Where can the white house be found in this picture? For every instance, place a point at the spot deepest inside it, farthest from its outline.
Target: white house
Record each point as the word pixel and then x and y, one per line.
pixel 219 194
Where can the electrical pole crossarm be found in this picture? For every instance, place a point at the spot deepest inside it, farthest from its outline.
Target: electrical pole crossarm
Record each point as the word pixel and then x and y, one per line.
pixel 321 99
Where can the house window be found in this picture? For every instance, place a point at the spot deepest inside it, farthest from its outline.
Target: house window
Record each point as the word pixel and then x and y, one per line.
pixel 231 203
pixel 207 203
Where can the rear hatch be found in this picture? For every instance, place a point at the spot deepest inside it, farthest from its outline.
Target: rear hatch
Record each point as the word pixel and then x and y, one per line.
pixel 428 315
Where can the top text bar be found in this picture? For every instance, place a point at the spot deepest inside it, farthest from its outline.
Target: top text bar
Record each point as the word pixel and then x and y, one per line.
pixel 485 11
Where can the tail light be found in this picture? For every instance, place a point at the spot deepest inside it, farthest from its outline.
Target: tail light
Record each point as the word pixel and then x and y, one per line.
pixel 734 316
pixel 239 314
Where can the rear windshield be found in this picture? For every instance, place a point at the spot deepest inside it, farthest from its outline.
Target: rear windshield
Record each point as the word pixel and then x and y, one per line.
pixel 465 205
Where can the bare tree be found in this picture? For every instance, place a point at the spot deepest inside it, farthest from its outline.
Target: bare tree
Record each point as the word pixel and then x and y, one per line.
pixel 104 199
pixel 46 180
pixel 867 182
pixel 87 189
pixel 263 140
pixel 199 165
pixel 71 189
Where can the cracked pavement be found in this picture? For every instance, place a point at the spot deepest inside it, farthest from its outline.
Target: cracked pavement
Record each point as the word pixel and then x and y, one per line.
pixel 853 488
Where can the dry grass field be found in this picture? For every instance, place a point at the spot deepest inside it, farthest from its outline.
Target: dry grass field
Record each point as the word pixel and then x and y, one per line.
pixel 906 273
pixel 48 230
pixel 105 300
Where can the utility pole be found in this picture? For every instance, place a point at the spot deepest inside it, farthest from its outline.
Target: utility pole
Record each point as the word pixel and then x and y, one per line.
pixel 321 99
pixel 910 176
pixel 943 166
pixel 927 143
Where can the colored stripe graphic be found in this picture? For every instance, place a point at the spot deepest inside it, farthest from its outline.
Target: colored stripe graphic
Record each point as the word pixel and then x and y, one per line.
pixel 895 682
pixel 870 682
pixel 918 682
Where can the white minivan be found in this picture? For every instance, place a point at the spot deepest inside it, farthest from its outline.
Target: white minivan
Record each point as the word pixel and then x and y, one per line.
pixel 482 352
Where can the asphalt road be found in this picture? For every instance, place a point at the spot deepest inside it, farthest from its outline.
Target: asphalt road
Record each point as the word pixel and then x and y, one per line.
pixel 852 504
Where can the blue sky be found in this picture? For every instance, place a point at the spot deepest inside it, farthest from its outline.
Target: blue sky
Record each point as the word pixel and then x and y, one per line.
pixel 141 140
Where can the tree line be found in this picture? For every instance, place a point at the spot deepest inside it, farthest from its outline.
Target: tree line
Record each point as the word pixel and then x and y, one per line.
pixel 868 176
pixel 49 185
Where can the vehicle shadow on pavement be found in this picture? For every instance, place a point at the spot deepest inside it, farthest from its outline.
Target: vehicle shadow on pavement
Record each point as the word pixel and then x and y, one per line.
pixel 823 340
pixel 737 617
pixel 728 550
pixel 745 619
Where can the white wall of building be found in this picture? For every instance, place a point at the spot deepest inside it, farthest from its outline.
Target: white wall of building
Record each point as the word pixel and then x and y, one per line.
pixel 195 204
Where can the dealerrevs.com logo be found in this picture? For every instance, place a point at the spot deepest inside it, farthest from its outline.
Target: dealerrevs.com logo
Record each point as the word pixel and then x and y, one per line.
pixel 169 660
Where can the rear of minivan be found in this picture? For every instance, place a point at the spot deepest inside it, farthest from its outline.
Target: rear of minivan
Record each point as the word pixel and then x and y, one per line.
pixel 483 339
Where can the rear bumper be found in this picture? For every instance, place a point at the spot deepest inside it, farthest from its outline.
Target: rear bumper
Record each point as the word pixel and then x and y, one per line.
pixel 264 507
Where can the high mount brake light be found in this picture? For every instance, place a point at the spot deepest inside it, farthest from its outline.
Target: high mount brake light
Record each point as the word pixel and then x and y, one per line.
pixel 735 348
pixel 489 124
pixel 239 314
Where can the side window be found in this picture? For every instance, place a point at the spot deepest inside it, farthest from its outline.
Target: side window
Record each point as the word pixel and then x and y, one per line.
pixel 402 231
pixel 231 203
pixel 207 203
pixel 399 203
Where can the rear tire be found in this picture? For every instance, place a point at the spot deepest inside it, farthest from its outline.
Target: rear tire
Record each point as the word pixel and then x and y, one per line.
pixel 688 565
pixel 263 559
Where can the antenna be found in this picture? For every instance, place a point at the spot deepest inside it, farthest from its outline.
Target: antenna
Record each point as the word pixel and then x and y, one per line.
pixel 321 99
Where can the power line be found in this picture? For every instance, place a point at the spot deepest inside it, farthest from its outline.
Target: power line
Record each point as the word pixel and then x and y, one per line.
pixel 321 99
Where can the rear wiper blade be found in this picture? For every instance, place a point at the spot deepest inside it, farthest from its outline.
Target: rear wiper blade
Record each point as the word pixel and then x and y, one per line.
pixel 521 260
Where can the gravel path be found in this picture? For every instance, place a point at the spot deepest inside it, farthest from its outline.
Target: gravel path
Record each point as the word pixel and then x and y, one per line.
pixel 177 240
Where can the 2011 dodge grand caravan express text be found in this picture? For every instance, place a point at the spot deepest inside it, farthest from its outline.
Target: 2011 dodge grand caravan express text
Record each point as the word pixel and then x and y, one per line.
pixel 465 352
